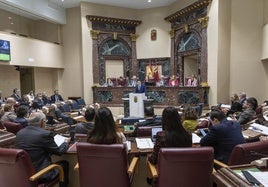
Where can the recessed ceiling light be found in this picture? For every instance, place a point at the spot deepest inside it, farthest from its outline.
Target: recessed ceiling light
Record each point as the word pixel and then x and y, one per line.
pixel 149 1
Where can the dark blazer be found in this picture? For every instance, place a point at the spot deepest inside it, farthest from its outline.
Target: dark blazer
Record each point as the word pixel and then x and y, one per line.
pixel 53 98
pixel 40 145
pixel 223 138
pixel 142 89
pixel 16 97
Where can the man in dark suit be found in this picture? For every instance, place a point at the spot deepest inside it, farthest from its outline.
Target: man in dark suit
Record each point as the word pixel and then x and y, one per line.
pixel 56 97
pixel 223 136
pixel 140 88
pixel 40 145
pixel 16 95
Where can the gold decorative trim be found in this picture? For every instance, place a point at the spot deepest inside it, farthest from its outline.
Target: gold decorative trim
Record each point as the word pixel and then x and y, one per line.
pixel 189 9
pixel 115 36
pixel 133 37
pixel 94 34
pixel 204 21
pixel 113 20
pixel 172 33
pixel 186 28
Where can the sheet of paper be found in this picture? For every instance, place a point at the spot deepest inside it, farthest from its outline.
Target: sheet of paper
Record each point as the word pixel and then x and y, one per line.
pixel 59 139
pixel 128 145
pixel 262 177
pixel 144 143
pixel 195 138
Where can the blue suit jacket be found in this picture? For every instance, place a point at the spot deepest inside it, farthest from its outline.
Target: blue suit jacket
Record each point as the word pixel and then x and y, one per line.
pixel 223 138
pixel 142 89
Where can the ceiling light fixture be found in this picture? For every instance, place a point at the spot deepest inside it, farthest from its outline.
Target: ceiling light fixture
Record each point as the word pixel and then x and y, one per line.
pixel 149 1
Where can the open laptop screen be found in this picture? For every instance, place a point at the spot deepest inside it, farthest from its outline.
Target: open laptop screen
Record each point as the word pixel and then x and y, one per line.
pixel 154 132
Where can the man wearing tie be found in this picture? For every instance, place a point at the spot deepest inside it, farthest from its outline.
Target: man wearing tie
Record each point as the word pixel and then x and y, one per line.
pixel 140 88
pixel 56 97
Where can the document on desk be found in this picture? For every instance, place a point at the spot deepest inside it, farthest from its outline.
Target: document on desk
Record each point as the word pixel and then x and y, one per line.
pixel 59 139
pixel 261 176
pixel 259 128
pixel 144 143
pixel 195 138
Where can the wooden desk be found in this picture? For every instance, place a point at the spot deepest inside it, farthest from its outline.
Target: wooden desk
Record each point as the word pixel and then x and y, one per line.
pixel 7 139
pixel 227 177
pixel 60 128
pixel 135 151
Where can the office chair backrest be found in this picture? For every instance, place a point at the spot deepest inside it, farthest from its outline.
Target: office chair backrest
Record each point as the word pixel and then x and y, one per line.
pixel 248 152
pixel 12 126
pixel 74 105
pixel 15 168
pixel 144 131
pixel 81 102
pixel 65 108
pixel 102 165
pixel 185 166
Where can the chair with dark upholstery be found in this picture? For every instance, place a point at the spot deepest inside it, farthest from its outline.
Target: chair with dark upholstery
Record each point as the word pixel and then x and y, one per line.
pixel 16 169
pixel 81 102
pixel 74 106
pixel 65 108
pixel 104 165
pixel 183 167
pixel 246 153
pixel 144 131
pixel 12 126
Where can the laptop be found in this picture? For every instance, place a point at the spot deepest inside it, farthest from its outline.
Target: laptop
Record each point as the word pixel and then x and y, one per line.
pixel 154 132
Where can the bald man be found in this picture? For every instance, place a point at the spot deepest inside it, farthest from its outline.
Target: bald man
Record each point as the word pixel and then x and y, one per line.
pixel 40 145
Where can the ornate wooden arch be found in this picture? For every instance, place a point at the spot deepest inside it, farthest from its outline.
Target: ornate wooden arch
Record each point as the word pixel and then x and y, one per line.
pixel 105 29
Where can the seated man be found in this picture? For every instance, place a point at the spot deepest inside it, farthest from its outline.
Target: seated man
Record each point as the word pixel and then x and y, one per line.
pixel 22 112
pixel 56 97
pixel 40 145
pixel 83 128
pixel 248 113
pixel 223 136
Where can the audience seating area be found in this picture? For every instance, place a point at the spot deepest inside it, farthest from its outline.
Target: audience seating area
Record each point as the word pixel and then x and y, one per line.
pixel 16 169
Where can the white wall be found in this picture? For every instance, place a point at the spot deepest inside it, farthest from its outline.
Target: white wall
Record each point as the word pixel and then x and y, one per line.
pixel 153 19
pixel 10 79
pixel 42 54
pixel 248 73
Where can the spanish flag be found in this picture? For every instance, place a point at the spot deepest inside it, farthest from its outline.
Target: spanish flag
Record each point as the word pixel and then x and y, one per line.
pixel 149 71
pixel 155 73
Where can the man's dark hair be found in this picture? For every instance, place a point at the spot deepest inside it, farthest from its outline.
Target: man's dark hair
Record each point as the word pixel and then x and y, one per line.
pixel 149 111
pixel 218 114
pixel 253 102
pixel 22 111
pixel 90 114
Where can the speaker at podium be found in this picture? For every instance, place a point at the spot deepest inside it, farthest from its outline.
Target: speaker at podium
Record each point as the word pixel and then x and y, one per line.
pixel 136 104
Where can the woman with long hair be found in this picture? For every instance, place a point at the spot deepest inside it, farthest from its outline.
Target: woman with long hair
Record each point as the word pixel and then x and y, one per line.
pixel 105 131
pixel 173 134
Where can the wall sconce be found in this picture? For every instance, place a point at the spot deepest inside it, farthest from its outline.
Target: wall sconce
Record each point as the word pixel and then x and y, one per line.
pixel 153 34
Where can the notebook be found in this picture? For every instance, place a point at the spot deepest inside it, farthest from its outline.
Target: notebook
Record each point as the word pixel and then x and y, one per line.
pixel 154 132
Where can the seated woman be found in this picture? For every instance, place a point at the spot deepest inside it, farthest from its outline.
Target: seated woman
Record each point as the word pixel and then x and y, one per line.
pixel 173 134
pixel 105 131
pixel 173 81
pixel 190 119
